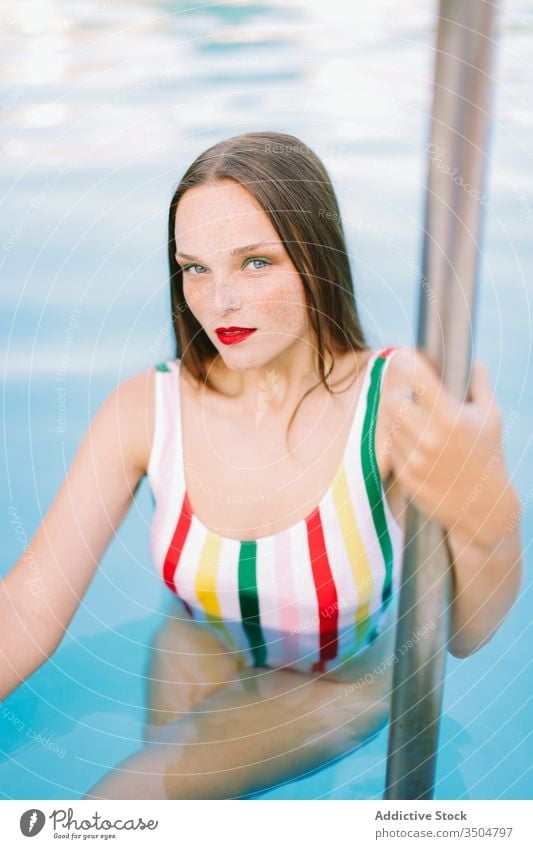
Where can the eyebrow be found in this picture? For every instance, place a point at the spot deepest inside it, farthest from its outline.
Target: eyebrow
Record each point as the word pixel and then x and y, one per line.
pixel 244 249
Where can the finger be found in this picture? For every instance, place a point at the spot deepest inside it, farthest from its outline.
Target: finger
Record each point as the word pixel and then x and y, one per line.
pixel 417 377
pixel 429 387
pixel 480 390
pixel 411 436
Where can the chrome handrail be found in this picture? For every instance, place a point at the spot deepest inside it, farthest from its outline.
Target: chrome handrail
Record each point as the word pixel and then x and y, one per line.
pixel 453 216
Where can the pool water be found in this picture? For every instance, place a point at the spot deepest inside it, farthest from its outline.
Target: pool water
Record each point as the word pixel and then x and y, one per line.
pixel 104 106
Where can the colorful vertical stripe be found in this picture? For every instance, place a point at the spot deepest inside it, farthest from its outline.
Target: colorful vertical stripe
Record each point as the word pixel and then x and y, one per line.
pixel 249 601
pixel 307 597
pixel 176 547
pixel 371 473
pixel 328 609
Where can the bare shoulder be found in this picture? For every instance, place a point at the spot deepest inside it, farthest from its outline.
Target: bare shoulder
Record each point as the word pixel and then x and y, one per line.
pixel 406 365
pixel 407 369
pixel 135 411
pixel 401 359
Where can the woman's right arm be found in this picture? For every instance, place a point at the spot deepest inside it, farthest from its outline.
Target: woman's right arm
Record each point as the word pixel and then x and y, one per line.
pixel 43 590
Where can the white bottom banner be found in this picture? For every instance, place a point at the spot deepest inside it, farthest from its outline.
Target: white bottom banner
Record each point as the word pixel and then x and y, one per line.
pixel 258 823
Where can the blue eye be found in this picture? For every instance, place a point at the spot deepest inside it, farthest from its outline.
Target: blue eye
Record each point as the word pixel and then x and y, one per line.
pixel 258 259
pixel 250 259
pixel 188 267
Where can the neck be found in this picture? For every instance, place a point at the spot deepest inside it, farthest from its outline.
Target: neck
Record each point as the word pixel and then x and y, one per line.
pixel 277 386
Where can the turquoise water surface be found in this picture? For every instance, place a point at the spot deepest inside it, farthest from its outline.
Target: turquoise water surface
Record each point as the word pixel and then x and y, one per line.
pixel 104 106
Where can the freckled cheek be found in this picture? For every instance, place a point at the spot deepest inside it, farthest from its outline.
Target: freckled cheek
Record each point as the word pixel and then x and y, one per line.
pixel 284 314
pixel 280 305
pixel 198 299
pixel 285 306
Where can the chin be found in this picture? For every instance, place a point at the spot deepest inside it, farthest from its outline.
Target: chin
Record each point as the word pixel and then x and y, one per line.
pixel 249 360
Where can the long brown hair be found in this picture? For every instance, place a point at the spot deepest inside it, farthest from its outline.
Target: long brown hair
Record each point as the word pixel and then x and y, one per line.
pixel 293 187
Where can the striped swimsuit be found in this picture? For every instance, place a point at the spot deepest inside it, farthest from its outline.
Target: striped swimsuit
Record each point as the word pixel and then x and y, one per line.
pixel 309 597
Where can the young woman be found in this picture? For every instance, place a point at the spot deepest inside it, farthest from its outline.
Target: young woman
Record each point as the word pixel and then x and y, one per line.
pixel 279 449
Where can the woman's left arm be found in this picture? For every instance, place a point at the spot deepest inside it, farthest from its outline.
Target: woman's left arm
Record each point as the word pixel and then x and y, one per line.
pixel 448 458
pixel 486 582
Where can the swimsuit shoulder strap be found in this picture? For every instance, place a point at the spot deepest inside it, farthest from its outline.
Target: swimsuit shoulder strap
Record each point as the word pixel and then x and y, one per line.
pixel 380 515
pixel 377 368
pixel 165 453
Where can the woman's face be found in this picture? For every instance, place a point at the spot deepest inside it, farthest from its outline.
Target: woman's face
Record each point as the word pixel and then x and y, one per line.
pixel 228 284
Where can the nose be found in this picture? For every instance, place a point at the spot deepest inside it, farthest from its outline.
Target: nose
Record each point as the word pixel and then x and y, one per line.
pixel 226 295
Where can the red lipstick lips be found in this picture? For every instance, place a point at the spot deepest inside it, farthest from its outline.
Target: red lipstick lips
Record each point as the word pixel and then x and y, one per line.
pixel 232 335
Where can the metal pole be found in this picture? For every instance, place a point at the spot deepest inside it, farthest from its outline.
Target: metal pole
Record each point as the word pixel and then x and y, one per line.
pixel 453 215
